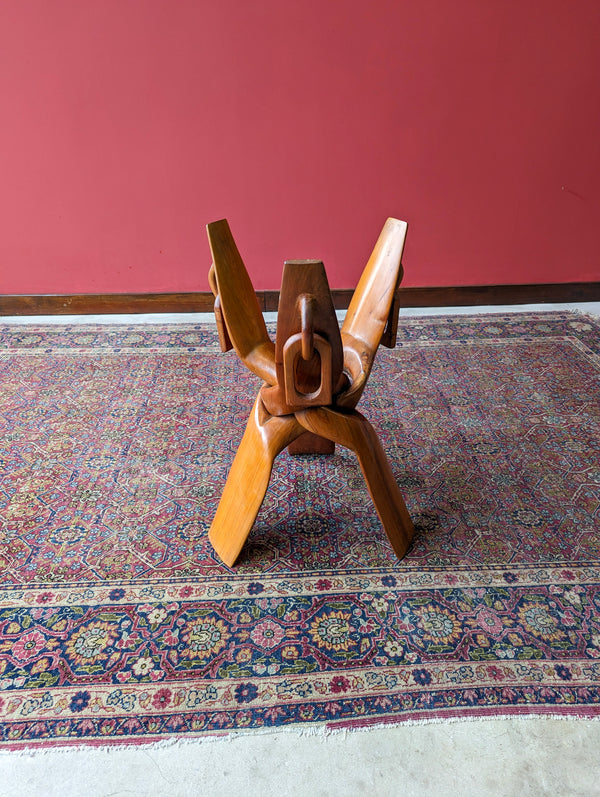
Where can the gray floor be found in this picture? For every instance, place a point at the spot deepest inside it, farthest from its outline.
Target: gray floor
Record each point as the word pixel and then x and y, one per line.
pixel 528 757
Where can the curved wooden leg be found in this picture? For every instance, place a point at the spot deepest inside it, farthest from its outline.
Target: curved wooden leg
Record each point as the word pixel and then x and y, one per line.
pixel 248 479
pixel 352 430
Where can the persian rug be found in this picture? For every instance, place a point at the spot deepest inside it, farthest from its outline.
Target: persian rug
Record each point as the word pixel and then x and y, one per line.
pixel 119 624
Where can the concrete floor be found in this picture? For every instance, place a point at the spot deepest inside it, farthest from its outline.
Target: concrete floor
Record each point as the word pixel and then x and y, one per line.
pixel 501 758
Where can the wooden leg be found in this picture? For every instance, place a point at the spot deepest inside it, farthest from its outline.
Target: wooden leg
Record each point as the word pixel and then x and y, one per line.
pixel 352 430
pixel 309 443
pixel 248 479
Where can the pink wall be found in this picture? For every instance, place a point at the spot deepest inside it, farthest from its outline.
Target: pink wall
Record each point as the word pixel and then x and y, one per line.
pixel 128 124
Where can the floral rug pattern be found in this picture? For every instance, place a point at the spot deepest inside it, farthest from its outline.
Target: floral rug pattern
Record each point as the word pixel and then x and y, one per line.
pixel 118 623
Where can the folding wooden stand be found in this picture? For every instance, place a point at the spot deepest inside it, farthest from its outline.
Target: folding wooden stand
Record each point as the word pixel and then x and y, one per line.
pixel 313 377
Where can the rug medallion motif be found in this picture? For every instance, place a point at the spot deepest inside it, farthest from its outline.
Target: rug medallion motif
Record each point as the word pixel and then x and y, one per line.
pixel 119 624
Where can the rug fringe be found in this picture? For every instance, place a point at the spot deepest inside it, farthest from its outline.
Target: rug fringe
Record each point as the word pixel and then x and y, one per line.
pixel 323 732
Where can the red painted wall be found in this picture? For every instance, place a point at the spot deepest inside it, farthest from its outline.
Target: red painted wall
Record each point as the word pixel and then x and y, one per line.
pixel 128 124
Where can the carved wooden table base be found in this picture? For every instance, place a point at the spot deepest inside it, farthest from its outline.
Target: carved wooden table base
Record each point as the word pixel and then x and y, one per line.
pixel 312 378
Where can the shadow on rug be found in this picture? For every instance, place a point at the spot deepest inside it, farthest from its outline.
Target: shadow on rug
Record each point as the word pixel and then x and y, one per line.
pixel 119 624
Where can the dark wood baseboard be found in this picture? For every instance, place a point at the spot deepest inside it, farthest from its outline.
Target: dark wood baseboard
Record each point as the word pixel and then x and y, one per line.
pixel 473 295
pixel 202 302
pixel 106 303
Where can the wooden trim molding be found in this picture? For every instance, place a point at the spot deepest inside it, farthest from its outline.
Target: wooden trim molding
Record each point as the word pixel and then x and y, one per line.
pixel 106 303
pixel 202 302
pixel 473 295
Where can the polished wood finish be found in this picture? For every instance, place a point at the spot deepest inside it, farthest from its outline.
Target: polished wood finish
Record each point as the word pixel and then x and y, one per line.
pixel 222 331
pixel 369 312
pixel 308 347
pixel 202 301
pixel 352 430
pixel 265 436
pixel 239 308
pixel 320 374
pixel 390 333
